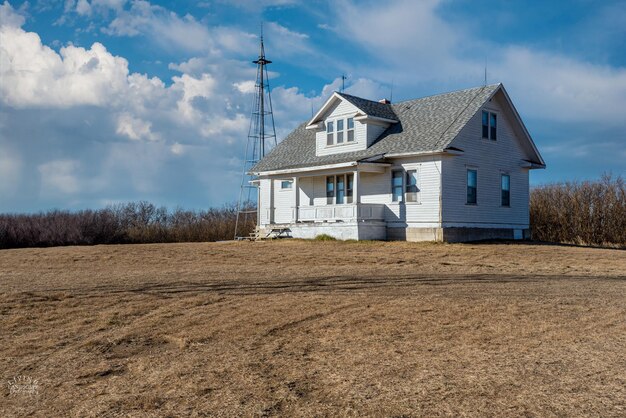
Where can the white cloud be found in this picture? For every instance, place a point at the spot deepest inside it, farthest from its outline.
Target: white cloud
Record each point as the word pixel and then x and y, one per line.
pixel 9 17
pixel 162 26
pixel 177 149
pixel 59 176
pixel 135 128
pixel 34 75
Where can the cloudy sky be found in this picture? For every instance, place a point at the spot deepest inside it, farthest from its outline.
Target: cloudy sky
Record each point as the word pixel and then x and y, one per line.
pixel 105 101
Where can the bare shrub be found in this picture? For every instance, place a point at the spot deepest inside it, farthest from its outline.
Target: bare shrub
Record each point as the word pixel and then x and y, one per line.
pixel 134 222
pixel 586 213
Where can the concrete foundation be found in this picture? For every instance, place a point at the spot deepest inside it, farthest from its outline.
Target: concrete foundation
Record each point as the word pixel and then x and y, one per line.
pixel 455 234
pixel 378 230
pixel 364 230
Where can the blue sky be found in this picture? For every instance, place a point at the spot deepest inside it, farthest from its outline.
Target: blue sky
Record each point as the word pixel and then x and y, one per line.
pixel 106 101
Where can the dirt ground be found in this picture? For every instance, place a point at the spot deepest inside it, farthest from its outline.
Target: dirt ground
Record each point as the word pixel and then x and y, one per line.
pixel 296 328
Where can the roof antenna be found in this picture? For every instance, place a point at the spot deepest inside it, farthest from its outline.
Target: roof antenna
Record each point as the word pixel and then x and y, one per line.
pixel 391 91
pixel 485 82
pixel 343 82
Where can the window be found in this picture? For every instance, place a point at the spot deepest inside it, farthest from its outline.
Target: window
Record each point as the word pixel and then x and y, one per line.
pixel 286 184
pixel 340 131
pixel 341 189
pixel 411 186
pixel 396 186
pixel 349 187
pixel 330 189
pixel 330 129
pixel 471 186
pixel 493 124
pixel 506 190
pixel 490 125
pixel 350 129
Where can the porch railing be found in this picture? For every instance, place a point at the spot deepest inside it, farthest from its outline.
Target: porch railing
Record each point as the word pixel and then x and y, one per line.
pixel 362 211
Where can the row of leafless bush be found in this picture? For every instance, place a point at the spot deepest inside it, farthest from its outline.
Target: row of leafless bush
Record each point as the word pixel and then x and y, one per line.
pixel 585 213
pixel 140 222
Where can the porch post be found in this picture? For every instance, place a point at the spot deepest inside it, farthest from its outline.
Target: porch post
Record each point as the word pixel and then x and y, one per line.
pixel 296 188
pixel 357 197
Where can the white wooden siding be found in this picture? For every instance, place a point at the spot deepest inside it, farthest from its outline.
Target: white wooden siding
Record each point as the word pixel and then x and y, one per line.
pixel 490 159
pixel 373 131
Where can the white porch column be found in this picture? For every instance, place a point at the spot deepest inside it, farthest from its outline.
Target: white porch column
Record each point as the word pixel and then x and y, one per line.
pixel 270 212
pixel 296 189
pixel 357 197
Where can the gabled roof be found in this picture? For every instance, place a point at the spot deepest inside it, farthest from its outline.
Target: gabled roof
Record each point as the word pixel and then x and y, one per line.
pixel 366 107
pixel 425 125
pixel 371 108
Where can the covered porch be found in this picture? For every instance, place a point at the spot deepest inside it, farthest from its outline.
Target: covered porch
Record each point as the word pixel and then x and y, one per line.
pixel 329 199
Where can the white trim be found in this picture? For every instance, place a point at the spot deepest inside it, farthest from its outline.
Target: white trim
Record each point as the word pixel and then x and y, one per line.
pixel 323 167
pixel 368 118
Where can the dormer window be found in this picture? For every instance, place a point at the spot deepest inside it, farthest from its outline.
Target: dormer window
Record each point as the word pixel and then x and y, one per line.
pixel 340 131
pixel 490 125
pixel 330 131
pixel 350 129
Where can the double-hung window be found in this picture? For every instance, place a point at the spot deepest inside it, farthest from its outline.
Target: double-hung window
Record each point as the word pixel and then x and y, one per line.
pixel 411 186
pixel 341 189
pixel 350 130
pixel 397 186
pixel 339 131
pixel 472 186
pixel 349 187
pixel 330 132
pixel 505 188
pixel 490 125
pixel 330 190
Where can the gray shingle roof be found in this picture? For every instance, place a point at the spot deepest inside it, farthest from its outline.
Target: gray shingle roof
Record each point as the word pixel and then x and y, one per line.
pixel 371 108
pixel 425 125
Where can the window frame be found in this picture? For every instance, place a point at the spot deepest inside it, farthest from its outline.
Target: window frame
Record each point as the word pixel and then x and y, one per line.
pixel 349 188
pixel 350 130
pixel 399 198
pixel 408 184
pixel 469 201
pixel 330 133
pixel 503 190
pixel 284 182
pixel 489 128
pixel 330 194
pixel 339 132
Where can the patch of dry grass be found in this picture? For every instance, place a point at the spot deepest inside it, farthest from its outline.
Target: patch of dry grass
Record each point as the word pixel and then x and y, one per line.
pixel 314 328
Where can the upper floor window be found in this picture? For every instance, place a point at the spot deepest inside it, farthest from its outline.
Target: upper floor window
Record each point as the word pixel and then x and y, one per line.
pixel 411 186
pixel 350 129
pixel 330 132
pixel 396 186
pixel 505 187
pixel 472 186
pixel 490 125
pixel 340 131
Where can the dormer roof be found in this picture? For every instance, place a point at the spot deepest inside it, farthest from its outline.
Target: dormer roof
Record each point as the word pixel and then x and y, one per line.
pixel 367 108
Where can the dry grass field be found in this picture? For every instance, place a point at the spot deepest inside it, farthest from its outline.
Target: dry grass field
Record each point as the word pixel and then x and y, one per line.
pixel 295 328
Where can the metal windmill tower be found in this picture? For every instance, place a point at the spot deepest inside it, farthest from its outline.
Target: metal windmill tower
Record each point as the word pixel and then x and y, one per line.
pixel 261 139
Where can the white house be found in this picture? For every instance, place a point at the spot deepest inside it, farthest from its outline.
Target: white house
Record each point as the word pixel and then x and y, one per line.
pixel 450 167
